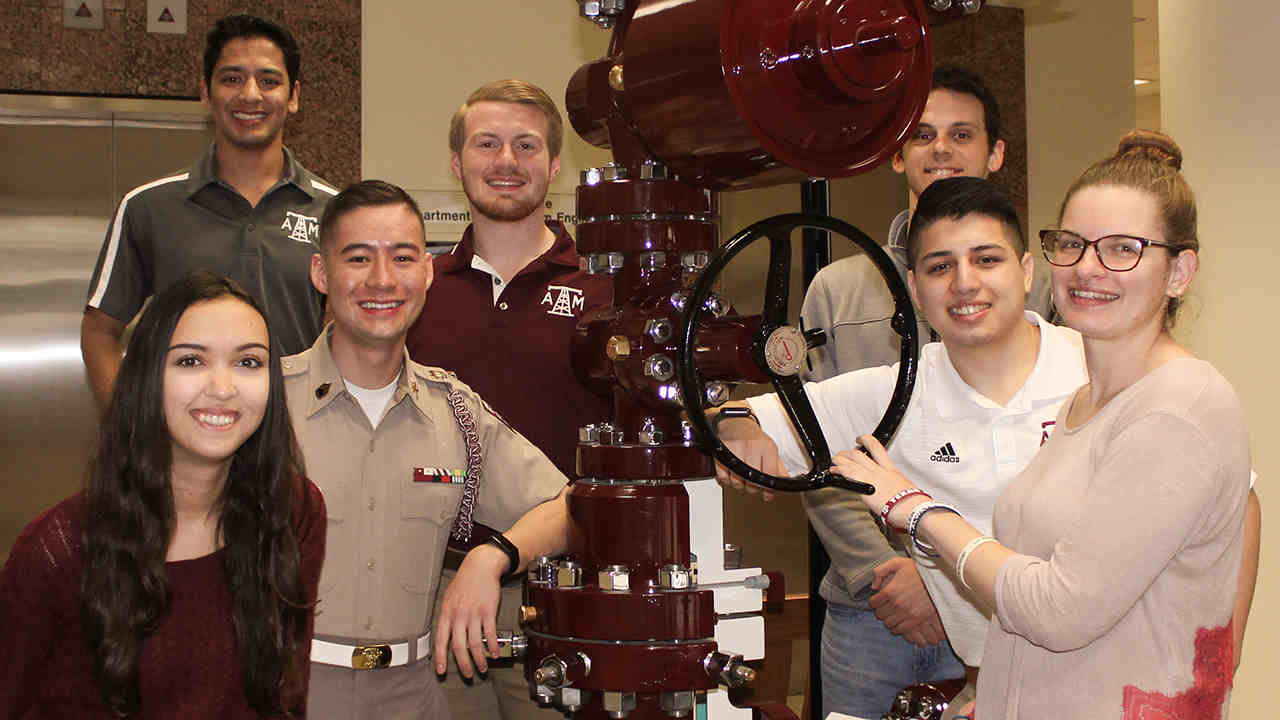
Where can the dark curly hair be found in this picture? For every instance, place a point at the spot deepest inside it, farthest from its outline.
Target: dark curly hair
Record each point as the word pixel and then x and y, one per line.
pixel 130 518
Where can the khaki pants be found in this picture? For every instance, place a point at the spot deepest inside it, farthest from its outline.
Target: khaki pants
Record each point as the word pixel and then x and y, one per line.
pixel 503 692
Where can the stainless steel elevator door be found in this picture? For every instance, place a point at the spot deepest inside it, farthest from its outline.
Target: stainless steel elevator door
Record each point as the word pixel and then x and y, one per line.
pixel 67 162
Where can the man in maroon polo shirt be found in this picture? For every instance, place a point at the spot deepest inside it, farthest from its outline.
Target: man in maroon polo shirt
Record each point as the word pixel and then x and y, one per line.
pixel 502 311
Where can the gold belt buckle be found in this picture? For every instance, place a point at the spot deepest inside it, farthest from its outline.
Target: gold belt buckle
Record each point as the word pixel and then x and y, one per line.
pixel 371 657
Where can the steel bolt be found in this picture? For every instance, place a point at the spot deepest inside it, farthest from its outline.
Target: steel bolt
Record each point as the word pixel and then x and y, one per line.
pixel 542 570
pixel 650 434
pixel 609 435
pixel 568 574
pixel 618 703
pixel 716 305
pixel 686 431
pixel 677 703
pixel 572 699
pixel 615 577
pixel 659 367
pixel 695 260
pixel 717 393
pixel 658 329
pixel 510 645
pixel 674 577
pixel 653 170
pixel 618 346
pixel 551 672
pixel 528 614
pixel 653 260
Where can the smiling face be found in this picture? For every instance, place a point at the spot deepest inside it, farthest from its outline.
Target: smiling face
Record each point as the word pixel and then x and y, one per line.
pixel 949 141
pixel 216 382
pixel 250 93
pixel 1103 304
pixel 376 270
pixel 505 165
pixel 969 280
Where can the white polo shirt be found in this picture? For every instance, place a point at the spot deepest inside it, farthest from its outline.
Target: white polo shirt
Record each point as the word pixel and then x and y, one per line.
pixel 954 443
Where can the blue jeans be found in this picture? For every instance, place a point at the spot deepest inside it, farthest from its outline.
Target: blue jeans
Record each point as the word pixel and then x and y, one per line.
pixel 864 664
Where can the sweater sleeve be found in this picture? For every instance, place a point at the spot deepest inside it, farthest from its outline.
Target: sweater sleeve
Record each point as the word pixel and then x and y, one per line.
pixel 38 586
pixel 1155 484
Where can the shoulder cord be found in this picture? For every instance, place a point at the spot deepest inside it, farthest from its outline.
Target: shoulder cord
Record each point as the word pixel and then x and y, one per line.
pixel 462 525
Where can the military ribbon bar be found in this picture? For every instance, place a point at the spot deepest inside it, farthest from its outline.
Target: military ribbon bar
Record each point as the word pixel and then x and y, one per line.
pixel 439 475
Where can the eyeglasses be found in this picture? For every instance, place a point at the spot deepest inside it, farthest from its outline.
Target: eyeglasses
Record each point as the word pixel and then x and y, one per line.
pixel 1117 253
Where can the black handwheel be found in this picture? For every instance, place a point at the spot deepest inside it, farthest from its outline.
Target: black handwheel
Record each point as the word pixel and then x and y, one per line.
pixel 779 350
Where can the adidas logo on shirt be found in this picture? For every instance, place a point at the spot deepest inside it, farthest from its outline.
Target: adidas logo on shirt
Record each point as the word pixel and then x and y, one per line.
pixel 946 453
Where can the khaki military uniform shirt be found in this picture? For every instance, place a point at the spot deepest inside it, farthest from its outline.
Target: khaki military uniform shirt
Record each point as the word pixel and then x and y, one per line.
pixel 390 515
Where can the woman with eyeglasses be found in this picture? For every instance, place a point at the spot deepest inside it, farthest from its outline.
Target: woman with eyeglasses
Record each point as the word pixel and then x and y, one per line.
pixel 1118 550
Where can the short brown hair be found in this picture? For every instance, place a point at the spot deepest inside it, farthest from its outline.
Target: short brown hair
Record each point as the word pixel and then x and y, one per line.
pixel 512 91
pixel 1149 161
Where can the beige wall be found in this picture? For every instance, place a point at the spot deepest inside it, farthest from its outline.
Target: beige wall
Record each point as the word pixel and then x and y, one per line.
pixel 1147 112
pixel 1079 93
pixel 1218 103
pixel 422 59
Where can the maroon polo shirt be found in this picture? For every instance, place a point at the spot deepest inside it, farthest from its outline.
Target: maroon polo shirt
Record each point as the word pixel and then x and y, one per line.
pixel 515 353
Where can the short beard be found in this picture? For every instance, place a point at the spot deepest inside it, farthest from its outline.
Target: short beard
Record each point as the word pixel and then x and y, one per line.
pixel 503 210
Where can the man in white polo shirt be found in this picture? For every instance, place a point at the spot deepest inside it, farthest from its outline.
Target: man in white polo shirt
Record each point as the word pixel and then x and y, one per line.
pixel 985 398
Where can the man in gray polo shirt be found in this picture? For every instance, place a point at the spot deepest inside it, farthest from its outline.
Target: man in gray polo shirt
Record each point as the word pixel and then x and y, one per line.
pixel 246 208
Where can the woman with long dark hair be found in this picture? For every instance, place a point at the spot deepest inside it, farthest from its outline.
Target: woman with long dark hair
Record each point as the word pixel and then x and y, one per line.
pixel 1117 552
pixel 182 582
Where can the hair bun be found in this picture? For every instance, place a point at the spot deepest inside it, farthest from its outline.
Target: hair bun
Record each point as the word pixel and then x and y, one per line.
pixel 1155 145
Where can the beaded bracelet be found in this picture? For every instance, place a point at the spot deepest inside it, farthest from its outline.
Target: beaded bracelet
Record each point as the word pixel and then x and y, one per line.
pixel 924 548
pixel 893 501
pixel 964 556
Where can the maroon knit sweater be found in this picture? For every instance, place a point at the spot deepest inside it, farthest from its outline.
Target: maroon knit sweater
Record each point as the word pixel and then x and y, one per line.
pixel 188 667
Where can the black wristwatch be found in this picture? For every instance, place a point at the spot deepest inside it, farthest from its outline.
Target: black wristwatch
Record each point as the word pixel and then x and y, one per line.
pixel 730 413
pixel 501 542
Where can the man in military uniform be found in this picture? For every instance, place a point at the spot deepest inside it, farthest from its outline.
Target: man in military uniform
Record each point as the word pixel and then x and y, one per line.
pixel 399 451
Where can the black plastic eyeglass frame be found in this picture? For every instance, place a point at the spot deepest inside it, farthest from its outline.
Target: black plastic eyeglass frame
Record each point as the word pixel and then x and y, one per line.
pixel 1143 242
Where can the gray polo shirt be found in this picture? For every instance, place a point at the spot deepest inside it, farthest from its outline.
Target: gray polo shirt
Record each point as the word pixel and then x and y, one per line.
pixel 191 220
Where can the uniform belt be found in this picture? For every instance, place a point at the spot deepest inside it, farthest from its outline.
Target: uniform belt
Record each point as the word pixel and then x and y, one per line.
pixel 371 657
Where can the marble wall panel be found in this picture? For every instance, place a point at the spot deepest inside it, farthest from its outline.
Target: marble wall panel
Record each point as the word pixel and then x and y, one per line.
pixel 39 55
pixel 992 44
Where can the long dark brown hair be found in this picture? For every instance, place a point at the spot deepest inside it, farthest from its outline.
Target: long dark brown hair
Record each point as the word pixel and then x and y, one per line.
pixel 129 520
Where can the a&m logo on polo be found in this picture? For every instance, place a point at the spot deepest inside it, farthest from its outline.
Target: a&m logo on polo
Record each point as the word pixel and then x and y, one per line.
pixel 302 228
pixel 448 476
pixel 564 300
